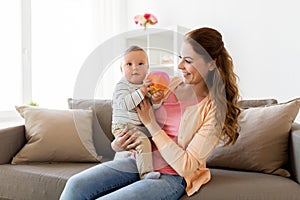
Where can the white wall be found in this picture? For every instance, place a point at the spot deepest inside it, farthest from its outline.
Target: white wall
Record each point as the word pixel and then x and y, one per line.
pixel 262 37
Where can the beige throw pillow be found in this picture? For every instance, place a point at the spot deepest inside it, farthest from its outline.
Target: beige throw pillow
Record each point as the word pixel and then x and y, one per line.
pixel 101 125
pixel 263 141
pixel 57 136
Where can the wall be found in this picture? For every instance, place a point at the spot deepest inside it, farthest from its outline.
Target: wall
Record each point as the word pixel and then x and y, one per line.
pixel 262 37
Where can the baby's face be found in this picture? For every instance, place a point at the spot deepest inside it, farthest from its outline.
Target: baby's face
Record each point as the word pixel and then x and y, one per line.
pixel 135 66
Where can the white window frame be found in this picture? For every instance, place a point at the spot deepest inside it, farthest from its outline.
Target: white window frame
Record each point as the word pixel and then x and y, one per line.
pixel 26 51
pixel 11 117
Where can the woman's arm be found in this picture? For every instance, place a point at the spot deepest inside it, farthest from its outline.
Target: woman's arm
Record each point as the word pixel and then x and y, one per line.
pixel 184 161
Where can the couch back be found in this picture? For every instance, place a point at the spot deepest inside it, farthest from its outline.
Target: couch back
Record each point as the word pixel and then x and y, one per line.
pixel 103 109
pixel 102 134
pixel 103 117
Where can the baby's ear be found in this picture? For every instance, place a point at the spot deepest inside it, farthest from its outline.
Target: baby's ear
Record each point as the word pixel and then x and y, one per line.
pixel 121 69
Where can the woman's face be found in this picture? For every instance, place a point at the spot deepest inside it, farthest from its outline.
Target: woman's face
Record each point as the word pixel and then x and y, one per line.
pixel 193 66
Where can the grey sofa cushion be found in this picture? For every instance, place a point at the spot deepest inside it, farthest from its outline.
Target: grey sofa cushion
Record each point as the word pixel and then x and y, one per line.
pixel 244 104
pixel 295 151
pixel 231 185
pixel 101 124
pixel 46 181
pixel 11 141
pixel 36 181
pixel 102 108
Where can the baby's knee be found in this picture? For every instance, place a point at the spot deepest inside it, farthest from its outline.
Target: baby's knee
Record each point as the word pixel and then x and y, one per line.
pixel 144 146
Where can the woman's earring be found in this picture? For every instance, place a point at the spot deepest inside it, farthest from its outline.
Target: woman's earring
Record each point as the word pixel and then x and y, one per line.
pixel 212 66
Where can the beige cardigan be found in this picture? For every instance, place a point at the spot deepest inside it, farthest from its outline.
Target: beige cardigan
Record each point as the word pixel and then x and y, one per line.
pixel 197 137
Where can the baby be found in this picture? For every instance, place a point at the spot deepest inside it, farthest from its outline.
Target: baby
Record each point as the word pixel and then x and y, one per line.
pixel 129 92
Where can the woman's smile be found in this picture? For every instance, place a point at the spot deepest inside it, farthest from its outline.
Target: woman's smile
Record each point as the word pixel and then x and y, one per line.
pixel 186 74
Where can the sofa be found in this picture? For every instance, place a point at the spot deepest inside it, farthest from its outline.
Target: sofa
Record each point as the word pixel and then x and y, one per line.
pixel 237 172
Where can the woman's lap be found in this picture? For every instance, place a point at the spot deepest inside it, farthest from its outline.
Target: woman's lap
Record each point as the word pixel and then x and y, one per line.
pixel 119 179
pixel 167 187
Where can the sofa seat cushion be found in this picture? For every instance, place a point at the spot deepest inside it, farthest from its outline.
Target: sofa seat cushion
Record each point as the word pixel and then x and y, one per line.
pixel 229 184
pixel 46 181
pixel 37 181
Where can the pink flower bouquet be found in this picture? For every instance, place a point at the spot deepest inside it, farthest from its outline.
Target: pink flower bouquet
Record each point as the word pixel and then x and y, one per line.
pixel 145 19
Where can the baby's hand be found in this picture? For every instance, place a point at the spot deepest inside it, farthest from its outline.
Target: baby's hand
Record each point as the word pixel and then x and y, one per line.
pixel 145 88
pixel 157 97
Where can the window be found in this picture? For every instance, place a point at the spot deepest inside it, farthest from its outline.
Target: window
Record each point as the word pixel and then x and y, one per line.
pixel 64 34
pixel 45 43
pixel 10 51
pixel 10 60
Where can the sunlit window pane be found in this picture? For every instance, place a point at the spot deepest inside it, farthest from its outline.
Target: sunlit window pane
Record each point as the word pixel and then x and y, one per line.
pixel 64 33
pixel 10 54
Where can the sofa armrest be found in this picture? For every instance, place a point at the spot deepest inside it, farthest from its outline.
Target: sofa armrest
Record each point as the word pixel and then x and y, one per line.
pixel 11 141
pixel 295 151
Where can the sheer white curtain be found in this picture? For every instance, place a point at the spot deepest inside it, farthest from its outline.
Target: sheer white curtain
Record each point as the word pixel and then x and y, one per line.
pixel 10 54
pixel 10 62
pixel 111 26
pixel 64 33
pixel 43 45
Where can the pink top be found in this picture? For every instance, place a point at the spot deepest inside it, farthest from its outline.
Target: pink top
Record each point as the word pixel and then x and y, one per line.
pixel 168 117
pixel 198 134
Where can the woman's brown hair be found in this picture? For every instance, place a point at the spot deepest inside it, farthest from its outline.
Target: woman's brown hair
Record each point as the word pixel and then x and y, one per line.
pixel 221 82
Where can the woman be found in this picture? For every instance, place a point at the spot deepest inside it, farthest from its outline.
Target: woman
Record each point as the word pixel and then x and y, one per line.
pixel 198 111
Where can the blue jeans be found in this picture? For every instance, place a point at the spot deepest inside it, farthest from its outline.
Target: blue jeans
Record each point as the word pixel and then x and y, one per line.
pixel 119 179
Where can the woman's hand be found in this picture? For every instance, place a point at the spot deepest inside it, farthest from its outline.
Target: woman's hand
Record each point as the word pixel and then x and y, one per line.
pixel 157 97
pixel 147 116
pixel 126 140
pixel 145 112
